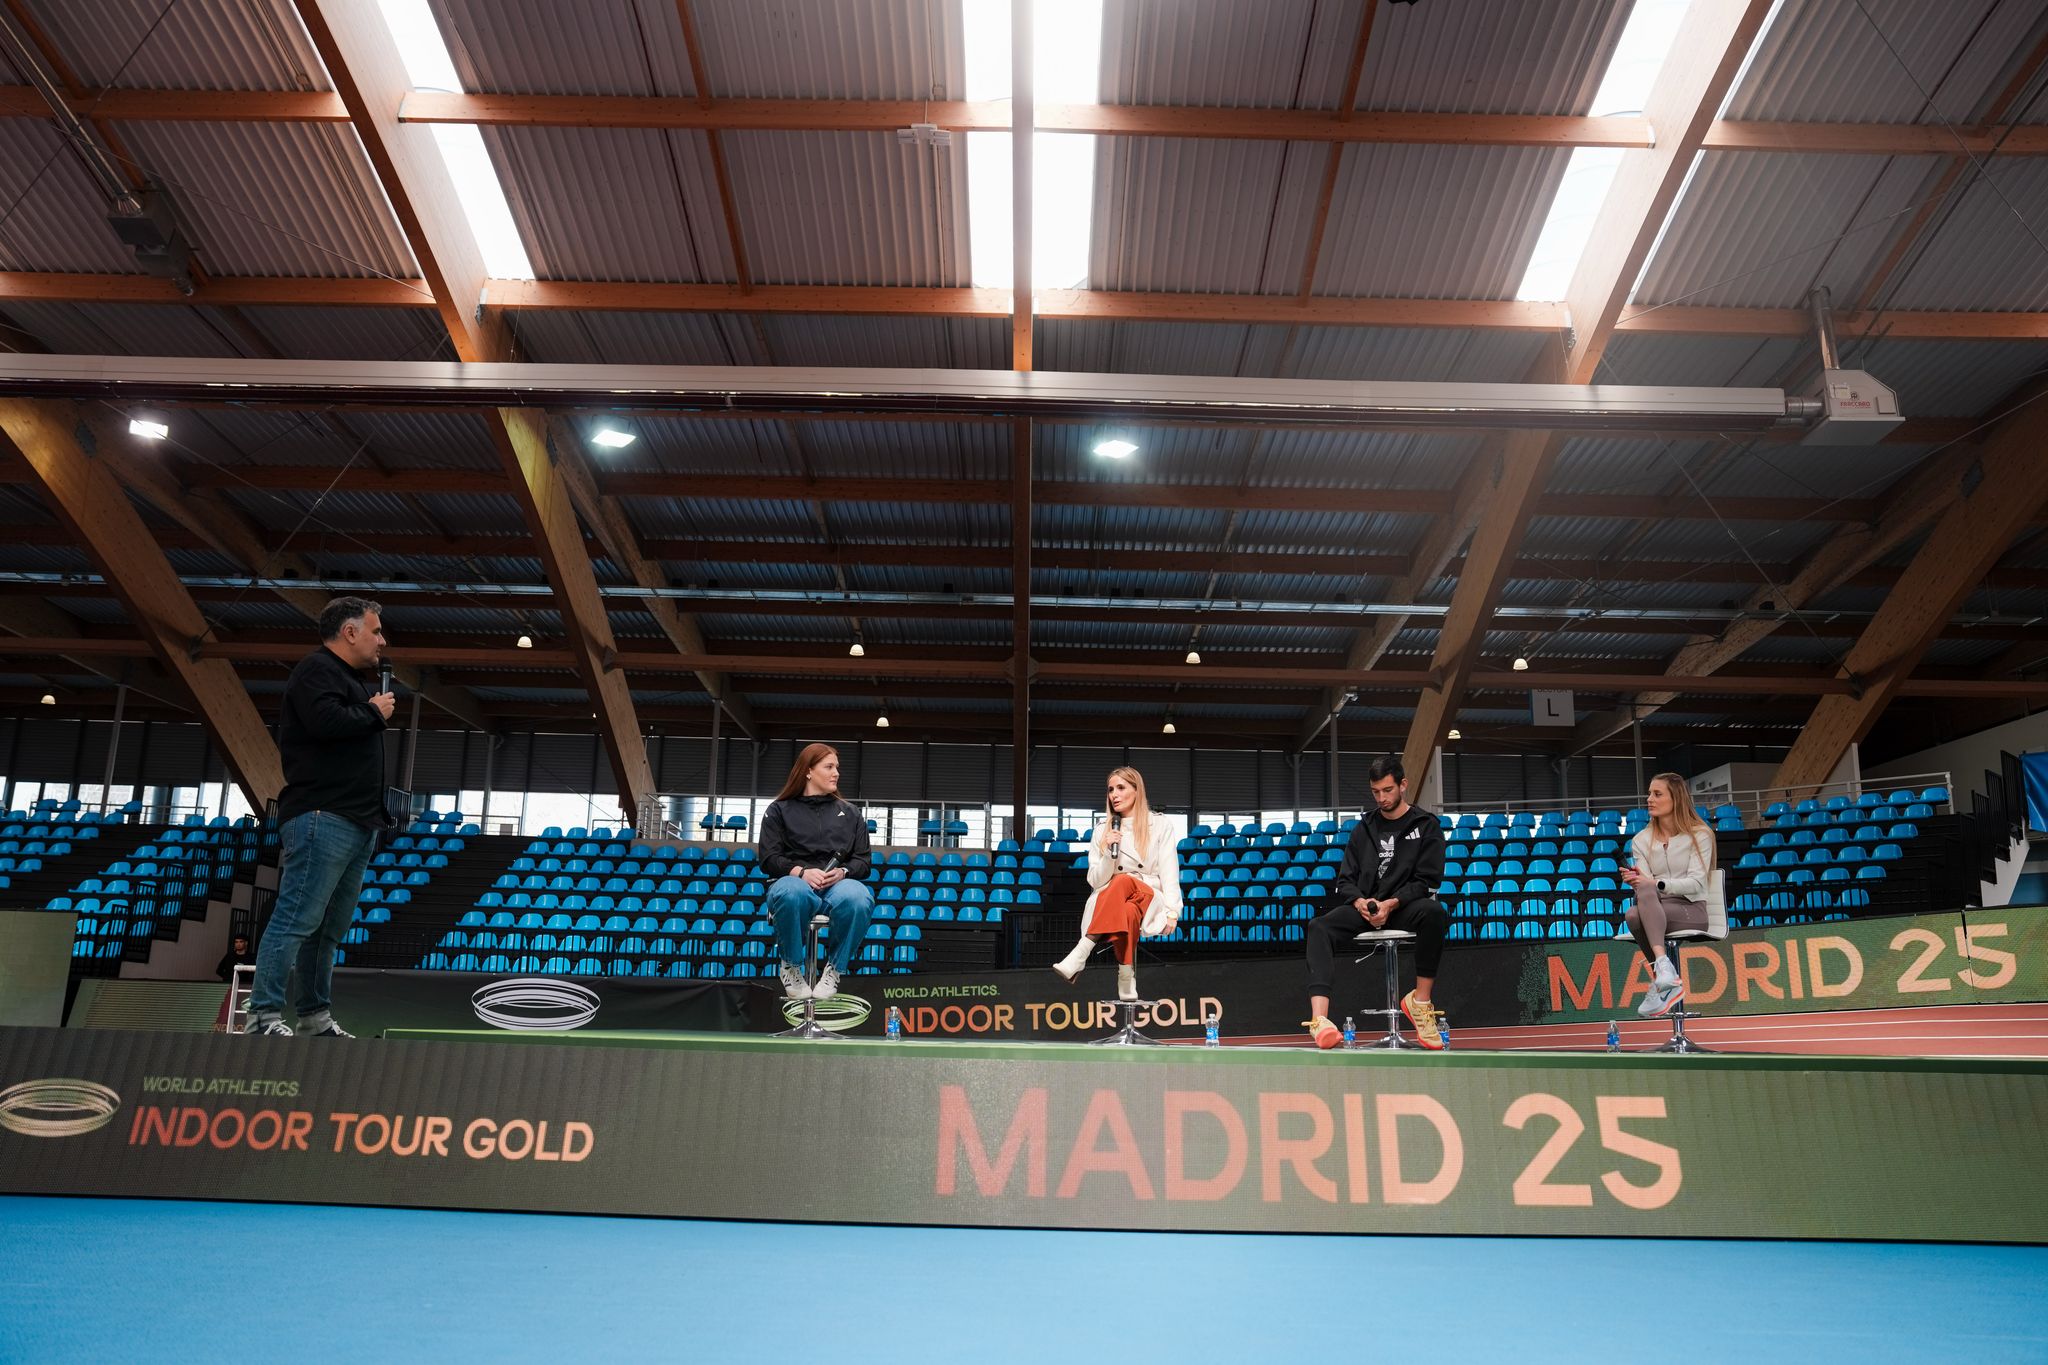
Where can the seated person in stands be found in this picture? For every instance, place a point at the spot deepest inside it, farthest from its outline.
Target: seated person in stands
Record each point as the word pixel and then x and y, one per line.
pixel 1134 866
pixel 1388 881
pixel 1670 869
pixel 815 845
pixel 238 954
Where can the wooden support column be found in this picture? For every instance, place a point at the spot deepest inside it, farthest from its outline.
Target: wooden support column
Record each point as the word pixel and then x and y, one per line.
pixel 367 72
pixel 1023 127
pixel 1020 624
pixel 91 501
pixel 1712 41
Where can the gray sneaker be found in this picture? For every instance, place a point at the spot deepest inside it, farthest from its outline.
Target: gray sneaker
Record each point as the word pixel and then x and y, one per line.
pixel 333 1030
pixel 828 984
pixel 268 1028
pixel 1663 998
pixel 794 987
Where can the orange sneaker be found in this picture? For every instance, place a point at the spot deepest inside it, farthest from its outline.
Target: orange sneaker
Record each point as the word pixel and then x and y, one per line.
pixel 1422 1014
pixel 1323 1032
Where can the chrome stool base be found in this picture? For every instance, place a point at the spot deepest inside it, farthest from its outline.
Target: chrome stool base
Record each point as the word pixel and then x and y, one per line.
pixel 810 1030
pixel 1128 1035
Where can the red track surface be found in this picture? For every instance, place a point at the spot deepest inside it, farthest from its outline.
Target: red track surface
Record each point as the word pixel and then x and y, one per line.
pixel 1935 1031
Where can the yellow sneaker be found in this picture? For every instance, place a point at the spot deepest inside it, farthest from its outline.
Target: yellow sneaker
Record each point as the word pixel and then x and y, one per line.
pixel 1422 1014
pixel 1323 1032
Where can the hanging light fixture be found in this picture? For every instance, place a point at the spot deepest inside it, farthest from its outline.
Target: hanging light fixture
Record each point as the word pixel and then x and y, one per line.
pixel 49 699
pixel 1167 728
pixel 1521 664
pixel 1194 656
pixel 1454 733
pixel 882 721
pixel 525 641
pixel 858 650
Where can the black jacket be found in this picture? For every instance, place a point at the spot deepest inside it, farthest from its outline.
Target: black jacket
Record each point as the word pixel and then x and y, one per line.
pixel 809 831
pixel 1400 860
pixel 332 742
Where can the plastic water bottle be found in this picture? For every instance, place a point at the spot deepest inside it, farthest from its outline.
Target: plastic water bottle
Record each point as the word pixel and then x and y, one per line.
pixel 1211 1024
pixel 1443 1029
pixel 1613 1036
pixel 1350 1032
pixel 892 1025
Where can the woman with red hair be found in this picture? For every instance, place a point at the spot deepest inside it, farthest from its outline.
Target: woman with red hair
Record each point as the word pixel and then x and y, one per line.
pixel 815 845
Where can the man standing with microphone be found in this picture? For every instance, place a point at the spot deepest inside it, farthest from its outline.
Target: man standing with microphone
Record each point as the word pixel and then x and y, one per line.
pixel 329 816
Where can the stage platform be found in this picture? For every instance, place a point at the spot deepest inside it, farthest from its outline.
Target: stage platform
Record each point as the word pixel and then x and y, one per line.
pixel 1041 1135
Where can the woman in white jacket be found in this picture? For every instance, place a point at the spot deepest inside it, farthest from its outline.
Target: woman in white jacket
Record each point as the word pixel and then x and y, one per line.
pixel 1134 866
pixel 1670 871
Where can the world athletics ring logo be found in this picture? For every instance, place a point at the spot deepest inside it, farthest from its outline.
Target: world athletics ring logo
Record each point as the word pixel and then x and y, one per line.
pixel 530 1004
pixel 835 1014
pixel 58 1107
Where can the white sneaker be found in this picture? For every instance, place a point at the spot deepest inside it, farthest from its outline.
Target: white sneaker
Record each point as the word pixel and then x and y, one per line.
pixel 1070 966
pixel 828 984
pixel 1126 982
pixel 794 987
pixel 273 1028
pixel 1663 997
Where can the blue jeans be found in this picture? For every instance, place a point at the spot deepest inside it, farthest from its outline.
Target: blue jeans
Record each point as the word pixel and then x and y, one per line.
pixel 792 903
pixel 324 858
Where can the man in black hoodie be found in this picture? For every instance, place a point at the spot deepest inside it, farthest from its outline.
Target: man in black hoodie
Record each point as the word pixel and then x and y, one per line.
pixel 329 816
pixel 1388 881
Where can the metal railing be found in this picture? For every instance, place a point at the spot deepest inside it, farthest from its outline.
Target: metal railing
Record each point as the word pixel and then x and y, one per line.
pixel 1753 803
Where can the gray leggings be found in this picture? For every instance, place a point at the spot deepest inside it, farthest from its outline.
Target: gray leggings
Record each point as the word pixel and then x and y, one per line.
pixel 1655 914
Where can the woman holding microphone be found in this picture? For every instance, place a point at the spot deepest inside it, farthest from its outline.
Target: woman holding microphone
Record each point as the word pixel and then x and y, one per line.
pixel 815 845
pixel 1134 866
pixel 1671 871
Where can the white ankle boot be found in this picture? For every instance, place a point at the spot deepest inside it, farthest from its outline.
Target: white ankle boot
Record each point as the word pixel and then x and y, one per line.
pixel 1126 982
pixel 1070 966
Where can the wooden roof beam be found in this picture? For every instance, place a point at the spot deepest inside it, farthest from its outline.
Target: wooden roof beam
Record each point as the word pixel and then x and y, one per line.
pixel 364 64
pixel 1713 39
pixel 2001 490
pixel 90 499
pixel 1083 305
pixel 621 543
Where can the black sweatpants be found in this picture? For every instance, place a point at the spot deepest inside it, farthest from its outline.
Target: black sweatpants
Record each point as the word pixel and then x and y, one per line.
pixel 1332 931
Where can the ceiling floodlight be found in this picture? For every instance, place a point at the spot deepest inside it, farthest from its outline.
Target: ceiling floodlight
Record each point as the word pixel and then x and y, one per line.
pixel 1116 448
pixel 612 438
pixel 148 430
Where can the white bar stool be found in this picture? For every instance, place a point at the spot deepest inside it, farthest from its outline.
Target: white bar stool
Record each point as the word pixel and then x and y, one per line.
pixel 1387 941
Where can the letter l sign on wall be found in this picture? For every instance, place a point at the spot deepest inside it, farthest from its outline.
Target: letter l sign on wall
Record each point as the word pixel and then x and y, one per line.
pixel 1552 708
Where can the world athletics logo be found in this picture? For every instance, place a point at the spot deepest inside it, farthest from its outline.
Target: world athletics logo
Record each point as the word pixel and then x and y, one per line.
pixel 535 1004
pixel 835 1014
pixel 57 1107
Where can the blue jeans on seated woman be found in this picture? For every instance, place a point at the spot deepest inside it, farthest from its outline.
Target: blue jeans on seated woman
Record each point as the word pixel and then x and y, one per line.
pixel 324 858
pixel 792 903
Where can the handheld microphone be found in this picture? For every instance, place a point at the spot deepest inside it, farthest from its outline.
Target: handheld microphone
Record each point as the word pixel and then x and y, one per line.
pixel 1116 834
pixel 384 678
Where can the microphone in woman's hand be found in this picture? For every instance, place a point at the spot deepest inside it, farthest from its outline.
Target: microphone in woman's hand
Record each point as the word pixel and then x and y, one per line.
pixel 1116 834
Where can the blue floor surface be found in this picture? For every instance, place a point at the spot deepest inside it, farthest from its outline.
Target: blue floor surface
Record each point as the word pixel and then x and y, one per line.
pixel 108 1280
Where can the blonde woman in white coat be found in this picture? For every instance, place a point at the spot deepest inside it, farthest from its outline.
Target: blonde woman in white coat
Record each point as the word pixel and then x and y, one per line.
pixel 1134 866
pixel 1670 872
